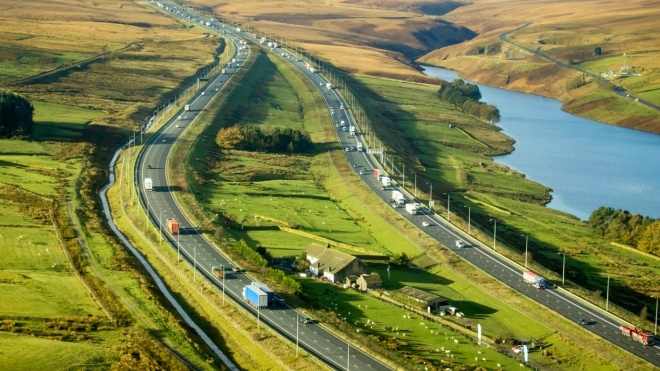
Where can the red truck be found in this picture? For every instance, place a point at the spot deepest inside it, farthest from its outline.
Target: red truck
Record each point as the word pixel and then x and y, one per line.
pixel 637 334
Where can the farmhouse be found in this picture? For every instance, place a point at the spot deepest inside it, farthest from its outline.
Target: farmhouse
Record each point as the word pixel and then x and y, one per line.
pixel 369 282
pixel 332 264
pixel 434 303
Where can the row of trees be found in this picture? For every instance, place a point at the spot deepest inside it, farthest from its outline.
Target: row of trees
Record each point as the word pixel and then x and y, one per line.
pixel 15 116
pixel 274 140
pixel 467 97
pixel 623 227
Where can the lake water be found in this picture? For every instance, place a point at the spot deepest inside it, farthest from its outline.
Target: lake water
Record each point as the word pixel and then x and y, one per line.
pixel 588 164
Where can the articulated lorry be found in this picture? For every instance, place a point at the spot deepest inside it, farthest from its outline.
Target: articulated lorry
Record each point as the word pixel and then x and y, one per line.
pixel 148 184
pixel 173 226
pixel 386 181
pixel 534 279
pixel 269 293
pixel 398 197
pixel 637 334
pixel 412 208
pixel 253 295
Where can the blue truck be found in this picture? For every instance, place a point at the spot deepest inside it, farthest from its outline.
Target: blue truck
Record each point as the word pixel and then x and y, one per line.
pixel 255 296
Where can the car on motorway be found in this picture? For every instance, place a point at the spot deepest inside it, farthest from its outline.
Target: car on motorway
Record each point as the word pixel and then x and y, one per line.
pixel 307 320
pixel 235 269
pixel 280 301
pixel 164 141
pixel 583 322
pixel 176 126
pixel 518 348
pixel 395 206
pixel 355 165
pixel 347 149
pixel 425 224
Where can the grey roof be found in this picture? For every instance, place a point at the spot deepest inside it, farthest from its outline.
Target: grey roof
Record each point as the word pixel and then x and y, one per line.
pixel 421 296
pixel 331 261
pixel 314 250
pixel 372 279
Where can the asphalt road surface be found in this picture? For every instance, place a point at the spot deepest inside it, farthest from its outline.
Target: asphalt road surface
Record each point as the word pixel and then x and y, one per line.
pixel 198 252
pixel 313 338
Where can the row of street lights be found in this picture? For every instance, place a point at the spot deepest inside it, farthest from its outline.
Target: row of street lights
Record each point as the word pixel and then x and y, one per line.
pixel 563 270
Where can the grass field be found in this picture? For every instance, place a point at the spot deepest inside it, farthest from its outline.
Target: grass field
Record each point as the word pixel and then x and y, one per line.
pixel 569 37
pixel 251 190
pixel 58 122
pixel 28 353
pixel 492 190
pixel 424 339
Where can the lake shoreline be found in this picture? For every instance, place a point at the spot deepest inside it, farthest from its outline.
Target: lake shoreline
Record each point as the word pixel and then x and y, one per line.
pixel 586 163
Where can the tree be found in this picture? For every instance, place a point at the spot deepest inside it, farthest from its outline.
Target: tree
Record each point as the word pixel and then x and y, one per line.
pixel 219 234
pixel 649 240
pixel 302 264
pixel 401 260
pixel 598 50
pixel 229 137
pixel 15 115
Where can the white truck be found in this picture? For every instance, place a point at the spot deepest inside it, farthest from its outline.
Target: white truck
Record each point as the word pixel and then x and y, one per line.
pixel 224 70
pixel 398 197
pixel 359 146
pixel 460 244
pixel 412 208
pixel 386 181
pixel 148 184
pixel 328 85
pixel 351 130
pixel 187 107
pixel 238 29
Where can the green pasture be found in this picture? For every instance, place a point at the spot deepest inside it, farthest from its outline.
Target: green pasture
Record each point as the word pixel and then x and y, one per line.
pixel 60 122
pixel 36 280
pixel 464 169
pixel 423 338
pixel 30 353
pixel 495 317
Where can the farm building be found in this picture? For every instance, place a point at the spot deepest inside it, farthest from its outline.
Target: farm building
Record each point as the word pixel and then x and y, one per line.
pixel 369 282
pixel 351 280
pixel 434 303
pixel 332 264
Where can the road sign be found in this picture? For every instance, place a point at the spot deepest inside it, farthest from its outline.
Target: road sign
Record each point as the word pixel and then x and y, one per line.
pixel 375 151
pixel 431 204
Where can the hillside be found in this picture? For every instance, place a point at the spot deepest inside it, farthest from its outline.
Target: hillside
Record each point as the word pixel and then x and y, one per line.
pixel 568 32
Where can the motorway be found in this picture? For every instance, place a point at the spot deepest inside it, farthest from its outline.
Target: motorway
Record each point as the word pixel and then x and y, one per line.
pixel 314 338
pixel 198 252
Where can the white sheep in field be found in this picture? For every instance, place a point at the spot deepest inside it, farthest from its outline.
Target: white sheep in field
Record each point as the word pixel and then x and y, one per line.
pixel 499 365
pixel 421 324
pixel 455 341
pixel 476 359
pixel 521 365
pixel 478 351
pixel 483 359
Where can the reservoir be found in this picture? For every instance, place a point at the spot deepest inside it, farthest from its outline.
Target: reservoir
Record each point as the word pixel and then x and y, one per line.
pixel 588 164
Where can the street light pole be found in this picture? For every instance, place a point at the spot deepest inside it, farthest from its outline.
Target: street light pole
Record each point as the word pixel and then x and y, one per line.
pixel 415 184
pixel 223 284
pixel 469 217
pixel 348 358
pixel 563 270
pixel 526 244
pixel 494 234
pixel 160 228
pixel 656 317
pixel 448 206
pixel 607 296
pixel 195 266
pixel 297 322
pixel 178 246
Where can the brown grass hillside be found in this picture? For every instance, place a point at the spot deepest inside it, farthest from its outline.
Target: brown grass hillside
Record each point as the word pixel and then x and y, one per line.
pixel 361 36
pixel 568 31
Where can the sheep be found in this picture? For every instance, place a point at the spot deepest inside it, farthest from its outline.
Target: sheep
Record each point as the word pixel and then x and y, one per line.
pixel 478 351
pixel 421 324
pixel 483 359
pixel 521 365
pixel 499 365
pixel 476 359
pixel 455 341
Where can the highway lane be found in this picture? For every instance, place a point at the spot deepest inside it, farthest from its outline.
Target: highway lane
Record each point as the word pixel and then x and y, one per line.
pixel 483 257
pixel 479 255
pixel 198 252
